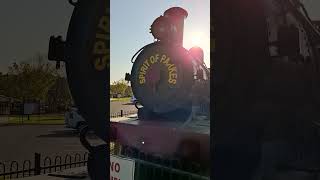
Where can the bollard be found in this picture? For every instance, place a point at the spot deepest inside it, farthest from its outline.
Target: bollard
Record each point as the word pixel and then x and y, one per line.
pixel 37 165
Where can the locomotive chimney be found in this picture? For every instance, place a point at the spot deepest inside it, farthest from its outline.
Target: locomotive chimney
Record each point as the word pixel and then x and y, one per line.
pixel 177 16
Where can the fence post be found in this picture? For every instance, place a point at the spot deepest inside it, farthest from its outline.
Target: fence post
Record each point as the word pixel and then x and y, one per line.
pixel 37 165
pixel 121 113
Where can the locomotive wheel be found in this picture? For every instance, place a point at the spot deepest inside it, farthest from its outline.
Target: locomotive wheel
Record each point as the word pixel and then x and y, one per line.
pixel 87 54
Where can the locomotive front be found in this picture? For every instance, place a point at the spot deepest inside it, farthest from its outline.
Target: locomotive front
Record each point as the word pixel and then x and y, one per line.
pixel 169 81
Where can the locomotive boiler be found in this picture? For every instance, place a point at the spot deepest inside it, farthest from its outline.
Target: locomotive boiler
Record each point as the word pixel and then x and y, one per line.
pixel 169 81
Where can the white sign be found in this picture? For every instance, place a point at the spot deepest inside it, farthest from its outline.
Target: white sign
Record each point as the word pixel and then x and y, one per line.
pixel 121 168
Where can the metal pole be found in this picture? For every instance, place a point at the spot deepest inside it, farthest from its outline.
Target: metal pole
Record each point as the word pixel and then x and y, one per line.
pixel 37 165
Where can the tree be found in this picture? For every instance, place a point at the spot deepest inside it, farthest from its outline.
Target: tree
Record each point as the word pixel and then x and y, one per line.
pixel 119 87
pixel 30 79
pixel 128 92
pixel 59 96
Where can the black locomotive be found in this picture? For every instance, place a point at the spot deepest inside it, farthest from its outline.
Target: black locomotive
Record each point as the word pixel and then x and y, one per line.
pixel 169 81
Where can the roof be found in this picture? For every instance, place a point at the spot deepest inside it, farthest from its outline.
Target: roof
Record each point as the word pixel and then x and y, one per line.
pixel 4 98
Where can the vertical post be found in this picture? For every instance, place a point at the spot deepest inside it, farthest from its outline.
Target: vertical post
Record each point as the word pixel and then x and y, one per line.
pixel 121 113
pixel 37 167
pixel 39 109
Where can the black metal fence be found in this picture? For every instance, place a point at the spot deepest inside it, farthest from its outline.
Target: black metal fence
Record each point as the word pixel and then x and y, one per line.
pixel 122 114
pixel 4 108
pixel 147 167
pixel 150 167
pixel 41 165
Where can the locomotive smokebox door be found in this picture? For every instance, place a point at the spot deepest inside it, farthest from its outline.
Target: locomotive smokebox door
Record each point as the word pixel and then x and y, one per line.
pixel 161 77
pixel 87 58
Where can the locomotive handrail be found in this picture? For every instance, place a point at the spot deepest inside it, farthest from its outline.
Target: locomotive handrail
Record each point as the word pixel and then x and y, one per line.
pixel 205 68
pixel 142 49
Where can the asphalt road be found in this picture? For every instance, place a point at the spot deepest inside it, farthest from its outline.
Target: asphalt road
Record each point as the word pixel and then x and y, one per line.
pixel 116 107
pixel 19 143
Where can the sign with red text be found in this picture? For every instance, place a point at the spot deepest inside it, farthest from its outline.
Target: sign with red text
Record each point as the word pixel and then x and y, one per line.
pixel 121 168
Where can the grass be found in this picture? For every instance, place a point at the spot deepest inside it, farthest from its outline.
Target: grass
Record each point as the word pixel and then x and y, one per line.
pixel 121 99
pixel 37 119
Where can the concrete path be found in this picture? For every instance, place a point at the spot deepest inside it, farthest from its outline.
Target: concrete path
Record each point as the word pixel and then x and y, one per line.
pixel 4 119
pixel 69 174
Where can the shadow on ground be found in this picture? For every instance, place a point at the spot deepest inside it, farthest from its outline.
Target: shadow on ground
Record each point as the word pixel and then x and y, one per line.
pixel 66 133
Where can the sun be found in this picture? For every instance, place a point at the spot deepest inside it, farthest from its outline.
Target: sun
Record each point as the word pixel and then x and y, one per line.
pixel 196 38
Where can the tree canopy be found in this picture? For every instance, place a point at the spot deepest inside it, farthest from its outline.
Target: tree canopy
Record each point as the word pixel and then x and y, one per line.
pixel 120 87
pixel 36 79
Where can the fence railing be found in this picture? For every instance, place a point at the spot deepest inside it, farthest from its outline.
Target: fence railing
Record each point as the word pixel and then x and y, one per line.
pixel 147 167
pixel 122 114
pixel 150 167
pixel 41 165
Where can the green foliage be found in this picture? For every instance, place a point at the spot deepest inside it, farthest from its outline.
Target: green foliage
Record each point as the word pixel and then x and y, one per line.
pixel 36 79
pixel 59 96
pixel 121 87
pixel 128 92
pixel 30 79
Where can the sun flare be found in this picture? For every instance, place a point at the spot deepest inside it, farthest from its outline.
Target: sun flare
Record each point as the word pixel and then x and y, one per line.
pixel 196 38
pixel 200 39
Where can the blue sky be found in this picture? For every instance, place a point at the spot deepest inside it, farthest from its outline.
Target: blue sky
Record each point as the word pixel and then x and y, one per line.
pixel 130 22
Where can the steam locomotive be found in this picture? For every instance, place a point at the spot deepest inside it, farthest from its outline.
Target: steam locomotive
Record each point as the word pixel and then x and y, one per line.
pixel 172 86
pixel 169 81
pixel 266 75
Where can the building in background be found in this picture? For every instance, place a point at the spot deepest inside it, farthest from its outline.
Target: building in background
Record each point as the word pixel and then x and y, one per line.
pixel 9 105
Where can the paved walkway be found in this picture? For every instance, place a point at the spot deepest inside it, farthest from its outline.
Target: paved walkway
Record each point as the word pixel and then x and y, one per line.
pixel 4 119
pixel 69 174
pixel 19 143
pixel 132 116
